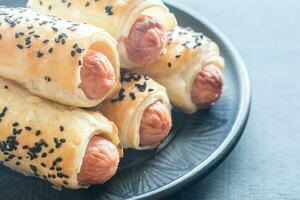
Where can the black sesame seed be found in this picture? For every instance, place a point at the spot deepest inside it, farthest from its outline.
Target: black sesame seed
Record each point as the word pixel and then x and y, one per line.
pixel 5 86
pixel 50 50
pixel 49 176
pixel 69 5
pixel 79 63
pixel 87 4
pixel 54 29
pixel 169 65
pixel 58 169
pixel 132 95
pixel 6 160
pixel 43 165
pixel 51 151
pixel 178 56
pixel 75 45
pixel 18 163
pixel 28 128
pixel 62 140
pixel 39 54
pixel 79 50
pixel 20 46
pixel 16 35
pixel 58 145
pixel 52 168
pixel 53 176
pixel 38 132
pixel 6 153
pixel 20 157
pixel 45 177
pixel 15 124
pixel 108 10
pixel 25 147
pixel 49 7
pixel 65 182
pixel 61 128
pixel 36 36
pixel 47 78
pixel 59 159
pixel 41 3
pixel 150 90
pixel 44 155
pixel 33 168
pixel 73 53
pixel 46 41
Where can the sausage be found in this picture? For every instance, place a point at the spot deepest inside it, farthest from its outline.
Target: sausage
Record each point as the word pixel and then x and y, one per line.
pixel 100 162
pixel 208 86
pixel 155 124
pixel 97 75
pixel 145 41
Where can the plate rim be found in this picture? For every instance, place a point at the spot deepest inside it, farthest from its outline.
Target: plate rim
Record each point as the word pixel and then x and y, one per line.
pixel 234 135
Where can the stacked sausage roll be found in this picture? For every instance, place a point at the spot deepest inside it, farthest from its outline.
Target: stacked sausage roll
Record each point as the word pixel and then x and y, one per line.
pixel 141 111
pixel 154 46
pixel 73 64
pixel 139 25
pixel 66 146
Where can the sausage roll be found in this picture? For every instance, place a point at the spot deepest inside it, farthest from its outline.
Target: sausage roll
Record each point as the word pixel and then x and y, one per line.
pixel 73 64
pixel 141 111
pixel 139 25
pixel 66 146
pixel 190 69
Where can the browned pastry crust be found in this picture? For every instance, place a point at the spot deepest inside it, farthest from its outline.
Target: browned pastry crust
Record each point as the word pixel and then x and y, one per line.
pixel 44 54
pixel 127 108
pixel 44 139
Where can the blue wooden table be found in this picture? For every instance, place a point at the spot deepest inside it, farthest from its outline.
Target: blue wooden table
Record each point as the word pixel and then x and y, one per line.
pixel 266 163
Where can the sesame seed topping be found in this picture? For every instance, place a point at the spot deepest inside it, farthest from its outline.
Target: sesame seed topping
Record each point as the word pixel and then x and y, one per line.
pixel 132 95
pixel 38 132
pixel 5 86
pixel 108 10
pixel 61 128
pixel 20 46
pixel 15 124
pixel 39 53
pixel 28 128
pixel 47 78
pixel 87 4
pixel 54 29
pixel 50 50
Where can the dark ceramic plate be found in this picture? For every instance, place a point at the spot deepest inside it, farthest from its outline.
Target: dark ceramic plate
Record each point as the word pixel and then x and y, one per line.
pixel 198 143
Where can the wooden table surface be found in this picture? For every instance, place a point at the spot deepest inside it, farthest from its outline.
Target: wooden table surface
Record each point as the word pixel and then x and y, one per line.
pixel 266 163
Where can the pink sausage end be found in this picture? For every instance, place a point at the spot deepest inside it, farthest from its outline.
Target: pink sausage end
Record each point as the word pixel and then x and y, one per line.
pixel 145 41
pixel 208 86
pixel 100 162
pixel 155 125
pixel 97 75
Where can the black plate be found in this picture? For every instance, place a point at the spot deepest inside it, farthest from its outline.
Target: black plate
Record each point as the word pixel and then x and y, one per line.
pixel 198 142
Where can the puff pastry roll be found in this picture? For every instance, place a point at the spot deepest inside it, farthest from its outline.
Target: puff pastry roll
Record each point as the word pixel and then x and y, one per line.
pixel 56 143
pixel 139 25
pixel 73 64
pixel 141 111
pixel 190 69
